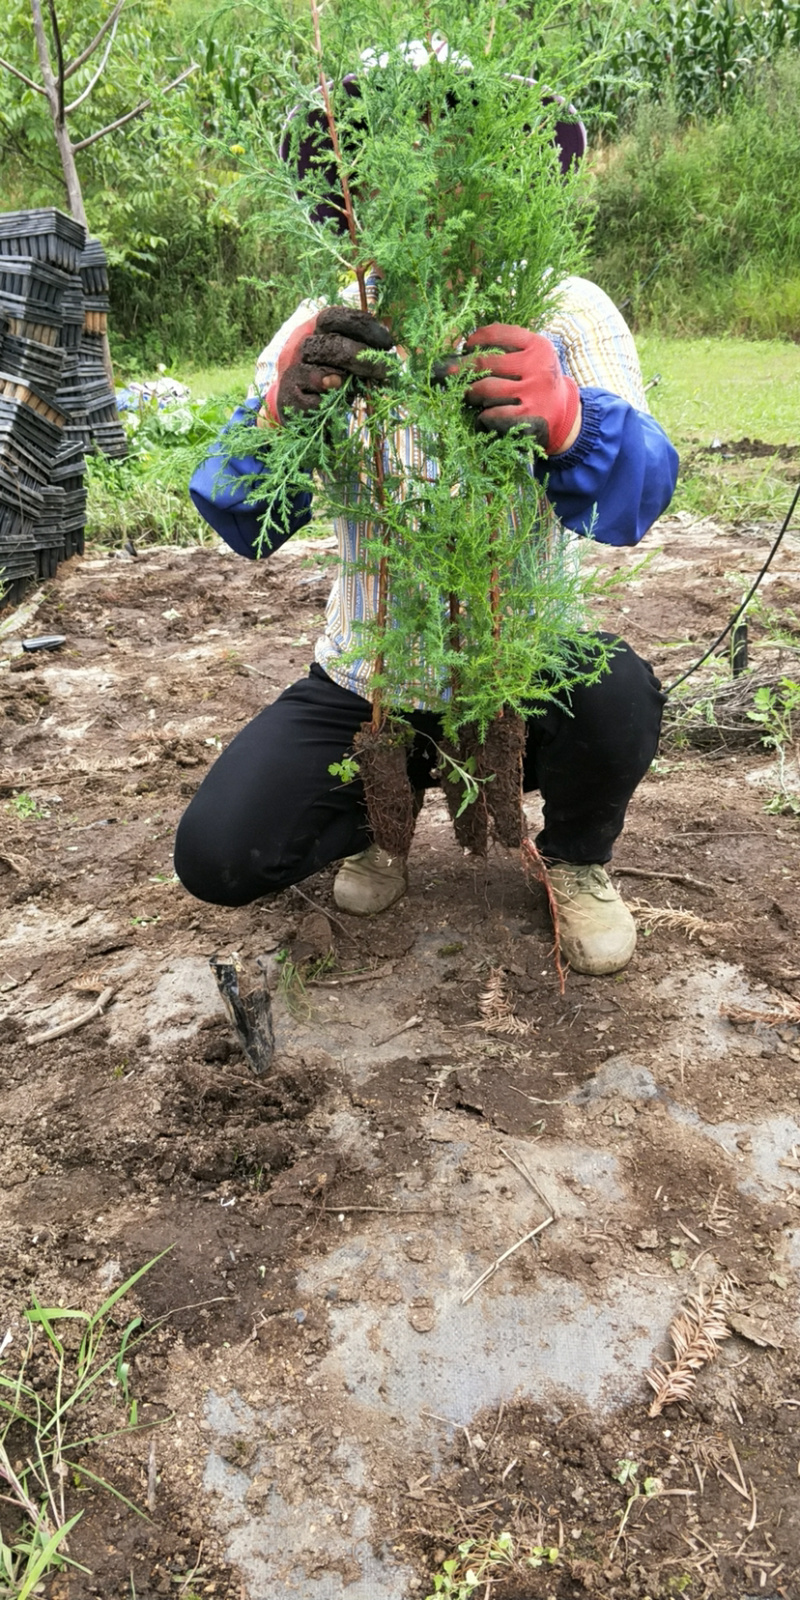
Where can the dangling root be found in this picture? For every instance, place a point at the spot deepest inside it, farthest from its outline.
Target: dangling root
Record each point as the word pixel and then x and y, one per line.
pixel 532 862
pixel 502 755
pixel 472 826
pixel 383 769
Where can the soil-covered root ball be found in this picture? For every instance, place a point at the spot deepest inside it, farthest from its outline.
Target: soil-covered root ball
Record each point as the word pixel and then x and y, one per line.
pixel 471 828
pixel 382 764
pixel 502 755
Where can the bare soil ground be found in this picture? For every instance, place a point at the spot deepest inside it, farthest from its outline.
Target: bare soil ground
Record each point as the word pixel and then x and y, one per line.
pixel 659 1131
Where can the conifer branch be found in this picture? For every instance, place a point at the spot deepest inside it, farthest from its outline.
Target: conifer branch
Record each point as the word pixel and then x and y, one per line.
pixel 696 1333
pixel 447 178
pixel 378 714
pixel 497 1009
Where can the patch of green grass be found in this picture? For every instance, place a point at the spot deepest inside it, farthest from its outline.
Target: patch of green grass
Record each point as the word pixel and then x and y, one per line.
pixel 47 1393
pixel 480 1563
pixel 723 388
pixel 230 382
pixel 26 808
pixel 726 390
pixel 145 496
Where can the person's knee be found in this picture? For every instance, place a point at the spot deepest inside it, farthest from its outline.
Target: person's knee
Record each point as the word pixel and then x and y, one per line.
pixel 626 681
pixel 211 865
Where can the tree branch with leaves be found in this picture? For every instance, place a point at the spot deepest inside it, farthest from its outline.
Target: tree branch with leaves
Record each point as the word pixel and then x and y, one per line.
pixel 54 71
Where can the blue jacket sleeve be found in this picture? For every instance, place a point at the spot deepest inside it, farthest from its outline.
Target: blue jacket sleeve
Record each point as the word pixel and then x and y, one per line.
pixel 224 492
pixel 617 477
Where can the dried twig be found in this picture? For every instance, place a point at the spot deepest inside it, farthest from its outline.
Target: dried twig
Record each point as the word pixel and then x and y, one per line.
pixel 669 877
pixel 789 1012
pixel 15 863
pixel 535 1099
pixel 152 1478
pixel 413 1022
pixel 331 915
pixel 524 1173
pixel 696 1334
pixel 490 1271
pixel 719 1214
pixel 77 1022
pixel 195 1569
pixel 351 977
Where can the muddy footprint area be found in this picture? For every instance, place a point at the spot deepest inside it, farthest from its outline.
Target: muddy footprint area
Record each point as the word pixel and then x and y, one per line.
pixel 329 1390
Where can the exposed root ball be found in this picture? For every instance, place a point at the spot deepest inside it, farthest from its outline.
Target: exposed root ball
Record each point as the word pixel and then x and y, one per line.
pixel 502 754
pixel 390 798
pixel 472 827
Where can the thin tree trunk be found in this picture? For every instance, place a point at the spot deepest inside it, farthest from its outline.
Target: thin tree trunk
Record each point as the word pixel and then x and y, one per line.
pixel 54 90
pixel 72 182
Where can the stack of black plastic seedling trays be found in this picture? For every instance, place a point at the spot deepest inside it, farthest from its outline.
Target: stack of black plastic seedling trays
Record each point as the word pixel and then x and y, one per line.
pixel 38 252
pixel 105 427
pixel 70 395
pixel 68 476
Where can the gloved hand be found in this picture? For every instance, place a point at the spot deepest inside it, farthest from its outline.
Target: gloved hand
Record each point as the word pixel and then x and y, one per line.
pixel 322 353
pixel 523 387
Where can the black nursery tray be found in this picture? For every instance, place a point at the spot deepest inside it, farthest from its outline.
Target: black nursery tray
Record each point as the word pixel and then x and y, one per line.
pixel 40 365
pixel 35 282
pixel 46 234
pixel 94 269
pixel 14 528
pixel 111 439
pixel 103 410
pixel 37 438
pixel 30 321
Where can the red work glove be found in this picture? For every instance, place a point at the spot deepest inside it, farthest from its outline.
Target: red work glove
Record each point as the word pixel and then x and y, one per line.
pixel 524 387
pixel 321 354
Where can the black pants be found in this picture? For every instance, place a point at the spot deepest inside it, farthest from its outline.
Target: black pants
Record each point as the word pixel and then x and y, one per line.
pixel 269 814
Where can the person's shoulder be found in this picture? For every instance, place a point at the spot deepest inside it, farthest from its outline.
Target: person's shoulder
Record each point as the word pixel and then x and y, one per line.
pixel 574 297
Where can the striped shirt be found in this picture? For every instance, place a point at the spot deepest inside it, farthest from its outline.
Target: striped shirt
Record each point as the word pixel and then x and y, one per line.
pixel 595 347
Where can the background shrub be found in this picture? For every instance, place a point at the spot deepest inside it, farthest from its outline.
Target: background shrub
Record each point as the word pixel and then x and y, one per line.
pixel 697 226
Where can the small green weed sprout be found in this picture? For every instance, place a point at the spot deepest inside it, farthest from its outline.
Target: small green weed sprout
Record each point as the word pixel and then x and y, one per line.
pixel 462 772
pixel 43 1418
pixel 346 770
pixel 479 1561
pixel 774 711
pixel 627 1474
pixel 295 977
pixel 24 806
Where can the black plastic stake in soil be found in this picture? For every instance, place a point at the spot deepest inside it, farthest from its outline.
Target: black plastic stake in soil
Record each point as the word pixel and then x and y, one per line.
pixel 739 648
pixel 251 1014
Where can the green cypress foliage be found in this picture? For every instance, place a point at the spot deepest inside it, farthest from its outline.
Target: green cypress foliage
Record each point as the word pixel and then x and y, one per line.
pixel 459 200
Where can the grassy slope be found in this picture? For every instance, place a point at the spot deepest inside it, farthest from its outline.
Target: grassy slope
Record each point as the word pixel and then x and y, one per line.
pixel 727 390
pixel 724 388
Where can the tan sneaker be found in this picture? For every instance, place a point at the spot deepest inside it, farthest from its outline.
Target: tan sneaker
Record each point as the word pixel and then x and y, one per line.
pixel 598 933
pixel 370 882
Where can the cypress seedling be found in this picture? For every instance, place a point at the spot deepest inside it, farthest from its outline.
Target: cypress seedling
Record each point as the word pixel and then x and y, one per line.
pixel 433 171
